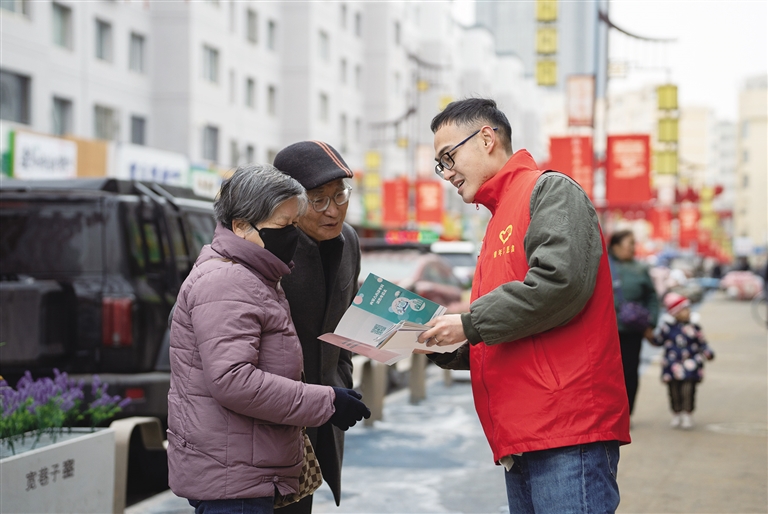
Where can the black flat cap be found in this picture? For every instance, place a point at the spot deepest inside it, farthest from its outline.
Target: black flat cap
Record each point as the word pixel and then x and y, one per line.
pixel 312 163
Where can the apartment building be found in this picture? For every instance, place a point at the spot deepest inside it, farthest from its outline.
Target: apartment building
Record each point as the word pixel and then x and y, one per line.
pixel 750 216
pixel 217 83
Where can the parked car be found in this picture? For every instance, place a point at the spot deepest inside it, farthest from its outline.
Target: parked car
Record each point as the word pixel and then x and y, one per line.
pixel 89 270
pixel 741 285
pixel 426 274
pixel 461 255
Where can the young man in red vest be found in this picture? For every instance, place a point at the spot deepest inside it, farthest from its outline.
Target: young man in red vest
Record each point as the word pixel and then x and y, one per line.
pixel 542 343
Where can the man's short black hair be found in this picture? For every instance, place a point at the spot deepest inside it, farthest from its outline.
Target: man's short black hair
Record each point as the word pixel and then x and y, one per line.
pixel 471 111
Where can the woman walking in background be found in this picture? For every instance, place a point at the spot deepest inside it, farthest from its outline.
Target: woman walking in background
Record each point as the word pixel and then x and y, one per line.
pixel 637 306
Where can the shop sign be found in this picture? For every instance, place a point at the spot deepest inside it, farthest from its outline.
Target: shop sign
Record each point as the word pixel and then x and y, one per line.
pixel 134 162
pixel 628 169
pixel 205 183
pixel 41 157
pixel 573 156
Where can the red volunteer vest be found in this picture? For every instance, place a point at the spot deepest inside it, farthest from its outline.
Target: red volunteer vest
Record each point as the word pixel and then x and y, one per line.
pixel 561 387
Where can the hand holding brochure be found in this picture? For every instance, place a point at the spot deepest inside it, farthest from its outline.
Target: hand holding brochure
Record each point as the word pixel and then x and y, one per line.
pixel 384 322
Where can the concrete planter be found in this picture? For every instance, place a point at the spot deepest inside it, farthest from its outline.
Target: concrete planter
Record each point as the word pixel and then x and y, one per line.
pixel 76 473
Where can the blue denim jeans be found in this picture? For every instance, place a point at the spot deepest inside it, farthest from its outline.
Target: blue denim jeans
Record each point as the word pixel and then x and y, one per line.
pixel 264 505
pixel 571 480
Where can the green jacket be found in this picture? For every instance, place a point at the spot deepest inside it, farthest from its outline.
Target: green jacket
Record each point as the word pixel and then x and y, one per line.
pixel 636 286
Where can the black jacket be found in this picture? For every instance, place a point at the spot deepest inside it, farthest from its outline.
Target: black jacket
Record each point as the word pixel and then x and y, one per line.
pixel 316 308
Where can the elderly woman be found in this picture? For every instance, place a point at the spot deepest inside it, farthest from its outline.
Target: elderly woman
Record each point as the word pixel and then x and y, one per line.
pixel 237 403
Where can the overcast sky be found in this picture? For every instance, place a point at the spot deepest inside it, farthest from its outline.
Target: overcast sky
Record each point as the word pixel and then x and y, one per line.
pixel 719 44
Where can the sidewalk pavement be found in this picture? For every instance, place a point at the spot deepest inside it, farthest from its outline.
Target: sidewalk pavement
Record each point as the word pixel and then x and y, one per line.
pixel 722 464
pixel 433 457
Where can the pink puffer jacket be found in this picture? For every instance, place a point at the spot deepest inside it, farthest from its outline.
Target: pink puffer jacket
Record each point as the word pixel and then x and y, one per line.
pixel 237 404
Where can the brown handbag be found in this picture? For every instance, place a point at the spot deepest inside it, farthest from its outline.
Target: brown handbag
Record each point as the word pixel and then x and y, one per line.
pixel 310 479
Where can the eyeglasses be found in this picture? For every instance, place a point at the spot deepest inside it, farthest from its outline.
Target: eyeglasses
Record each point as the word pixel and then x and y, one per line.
pixel 340 198
pixel 446 161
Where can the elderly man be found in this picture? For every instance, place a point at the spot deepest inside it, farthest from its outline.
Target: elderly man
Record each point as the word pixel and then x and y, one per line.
pixel 543 349
pixel 322 285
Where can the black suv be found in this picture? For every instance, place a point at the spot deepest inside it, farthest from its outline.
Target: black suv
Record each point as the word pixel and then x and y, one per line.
pixel 89 271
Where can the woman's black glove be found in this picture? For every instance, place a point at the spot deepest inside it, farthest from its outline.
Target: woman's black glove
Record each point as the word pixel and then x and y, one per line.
pixel 349 408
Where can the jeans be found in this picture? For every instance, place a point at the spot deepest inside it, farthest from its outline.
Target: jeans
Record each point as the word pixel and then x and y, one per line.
pixel 574 479
pixel 265 505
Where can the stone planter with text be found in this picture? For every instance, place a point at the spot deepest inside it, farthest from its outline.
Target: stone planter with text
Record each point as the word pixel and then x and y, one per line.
pixel 73 471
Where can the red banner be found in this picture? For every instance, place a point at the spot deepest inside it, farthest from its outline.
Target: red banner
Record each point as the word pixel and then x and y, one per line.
pixel 573 156
pixel 429 201
pixel 628 169
pixel 688 215
pixel 661 223
pixel 395 205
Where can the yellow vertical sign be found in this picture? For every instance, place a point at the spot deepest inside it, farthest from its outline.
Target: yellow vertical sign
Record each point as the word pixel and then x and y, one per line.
pixel 546 40
pixel 668 131
pixel 667 97
pixel 546 72
pixel 546 10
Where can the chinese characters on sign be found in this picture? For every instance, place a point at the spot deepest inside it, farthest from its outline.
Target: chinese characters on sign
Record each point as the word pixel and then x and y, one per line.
pixel 628 169
pixel 46 475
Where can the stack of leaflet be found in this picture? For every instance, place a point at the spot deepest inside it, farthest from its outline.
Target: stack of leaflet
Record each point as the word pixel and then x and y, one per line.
pixel 384 322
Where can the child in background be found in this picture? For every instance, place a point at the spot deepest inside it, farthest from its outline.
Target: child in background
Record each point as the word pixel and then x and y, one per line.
pixel 683 360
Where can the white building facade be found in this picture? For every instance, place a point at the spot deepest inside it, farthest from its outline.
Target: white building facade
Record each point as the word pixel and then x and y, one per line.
pixel 224 82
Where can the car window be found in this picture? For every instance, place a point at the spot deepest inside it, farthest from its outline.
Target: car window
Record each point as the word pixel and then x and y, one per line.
pixel 391 270
pixel 47 238
pixel 460 259
pixel 201 227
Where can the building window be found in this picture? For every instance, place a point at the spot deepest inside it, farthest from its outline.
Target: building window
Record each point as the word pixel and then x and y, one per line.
pixel 358 24
pixel 138 130
pixel 62 26
pixel 14 97
pixel 744 129
pixel 234 154
pixel 323 114
pixel 397 83
pixel 62 117
pixel 272 35
pixel 250 154
pixel 250 93
pixel 252 26
pixel 358 130
pixel 324 46
pixel 210 64
pixel 343 71
pixel 211 143
pixel 103 41
pixel 358 77
pixel 136 53
pixel 745 156
pixel 745 181
pixel 397 33
pixel 232 15
pixel 343 129
pixel 19 6
pixel 105 124
pixel 272 100
pixel 232 87
pixel 271 154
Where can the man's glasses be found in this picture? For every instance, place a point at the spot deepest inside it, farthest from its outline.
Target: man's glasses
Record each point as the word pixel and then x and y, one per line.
pixel 340 198
pixel 446 161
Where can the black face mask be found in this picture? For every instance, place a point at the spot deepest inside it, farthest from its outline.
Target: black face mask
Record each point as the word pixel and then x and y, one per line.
pixel 280 242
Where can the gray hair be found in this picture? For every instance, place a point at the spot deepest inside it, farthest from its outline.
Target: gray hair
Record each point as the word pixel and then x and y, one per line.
pixel 254 192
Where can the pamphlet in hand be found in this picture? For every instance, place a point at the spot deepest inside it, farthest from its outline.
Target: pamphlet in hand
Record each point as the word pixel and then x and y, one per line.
pixel 384 322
